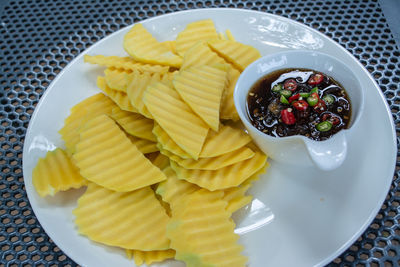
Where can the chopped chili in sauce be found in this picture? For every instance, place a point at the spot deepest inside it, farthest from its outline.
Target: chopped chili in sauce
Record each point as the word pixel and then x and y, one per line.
pixel 299 102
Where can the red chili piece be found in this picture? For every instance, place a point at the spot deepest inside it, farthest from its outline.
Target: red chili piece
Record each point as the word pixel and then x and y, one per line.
pixel 288 117
pixel 320 106
pixel 300 105
pixel 326 116
pixel 335 120
pixel 294 97
pixel 316 79
pixel 290 85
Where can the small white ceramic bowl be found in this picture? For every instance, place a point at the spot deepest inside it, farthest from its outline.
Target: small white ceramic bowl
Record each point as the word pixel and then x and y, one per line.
pixel 300 150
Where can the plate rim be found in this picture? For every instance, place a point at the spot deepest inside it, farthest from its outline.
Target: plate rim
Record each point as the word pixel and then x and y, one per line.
pixel 373 213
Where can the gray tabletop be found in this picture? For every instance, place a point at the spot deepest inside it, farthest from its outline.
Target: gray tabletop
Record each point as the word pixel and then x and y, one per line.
pixel 39 38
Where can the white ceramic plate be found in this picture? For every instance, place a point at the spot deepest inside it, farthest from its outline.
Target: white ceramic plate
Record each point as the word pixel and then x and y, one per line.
pixel 299 216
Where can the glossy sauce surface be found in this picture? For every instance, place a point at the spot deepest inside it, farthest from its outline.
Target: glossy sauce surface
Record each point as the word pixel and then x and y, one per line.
pixel 298 102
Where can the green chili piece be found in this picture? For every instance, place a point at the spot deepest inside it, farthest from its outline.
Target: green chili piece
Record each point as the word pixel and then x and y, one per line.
pixel 286 93
pixel 314 90
pixel 324 126
pixel 277 88
pixel 329 99
pixel 312 100
pixel 284 100
pixel 304 95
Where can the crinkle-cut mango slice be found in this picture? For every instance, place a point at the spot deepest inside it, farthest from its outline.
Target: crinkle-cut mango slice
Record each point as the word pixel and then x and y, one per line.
pixel 227 36
pixel 236 197
pixel 176 118
pixel 226 140
pixel 80 113
pixel 171 45
pixel 149 257
pixel 124 63
pixel 238 203
pixel 56 172
pixel 164 204
pixel 202 233
pixel 134 124
pixel 129 253
pixel 130 220
pixel 194 32
pixel 143 47
pixel 228 109
pixel 161 161
pixel 173 189
pixel 200 54
pixel 201 88
pixel 117 79
pixel 238 54
pixel 167 143
pixel 168 77
pixel 257 175
pixel 222 36
pixel 144 146
pixel 107 157
pixel 120 98
pixel 214 163
pixel 136 88
pixel 226 177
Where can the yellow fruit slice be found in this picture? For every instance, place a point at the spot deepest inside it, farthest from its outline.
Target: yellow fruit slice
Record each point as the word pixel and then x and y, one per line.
pixel 236 197
pixel 229 35
pixel 214 163
pixel 168 77
pixel 82 112
pixel 201 88
pixel 124 63
pixel 129 253
pixel 238 54
pixel 226 177
pixel 202 233
pixel 150 257
pixel 143 47
pixel 134 124
pixel 130 220
pixel 176 118
pixel 173 189
pixel 106 156
pixel 226 140
pixel 200 54
pixel 117 79
pixel 167 143
pixel 228 109
pixel 136 88
pixel 171 45
pixel 144 146
pixel 55 172
pixel 161 161
pixel 120 98
pixel 194 32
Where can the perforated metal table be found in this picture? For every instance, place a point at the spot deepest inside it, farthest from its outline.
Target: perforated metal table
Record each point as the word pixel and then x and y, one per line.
pixel 39 38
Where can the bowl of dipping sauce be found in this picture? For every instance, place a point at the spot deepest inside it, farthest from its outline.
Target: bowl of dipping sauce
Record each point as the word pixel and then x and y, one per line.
pixel 300 106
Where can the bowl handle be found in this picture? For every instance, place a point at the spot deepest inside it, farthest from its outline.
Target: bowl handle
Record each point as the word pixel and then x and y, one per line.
pixel 329 154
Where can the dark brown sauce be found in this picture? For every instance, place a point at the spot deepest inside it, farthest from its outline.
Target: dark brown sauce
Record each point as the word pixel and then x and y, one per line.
pixel 302 110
